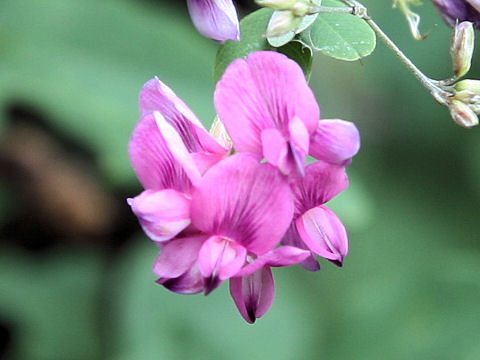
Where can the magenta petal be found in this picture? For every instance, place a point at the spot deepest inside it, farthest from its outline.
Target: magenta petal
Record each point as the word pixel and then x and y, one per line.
pixel 216 19
pixel 335 141
pixel 292 238
pixel 162 214
pixel 321 183
pixel 282 256
pixel 220 259
pixel 323 232
pixel 266 90
pixel 253 294
pixel 159 156
pixel 190 282
pixel 178 256
pixel 156 96
pixel 275 149
pixel 243 200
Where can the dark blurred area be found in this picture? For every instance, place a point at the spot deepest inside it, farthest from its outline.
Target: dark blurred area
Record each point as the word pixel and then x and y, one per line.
pixel 75 268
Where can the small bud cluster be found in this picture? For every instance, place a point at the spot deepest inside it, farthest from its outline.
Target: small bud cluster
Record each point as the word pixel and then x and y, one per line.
pixel 464 104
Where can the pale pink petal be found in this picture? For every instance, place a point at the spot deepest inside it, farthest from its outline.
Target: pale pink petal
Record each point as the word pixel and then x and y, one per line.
pixel 161 213
pixel 152 158
pixel 219 259
pixel 323 232
pixel 177 147
pixel 243 200
pixel 156 96
pixel 322 182
pixel 335 141
pixel 178 256
pixel 216 19
pixel 253 294
pixel 266 90
pixel 282 256
pixel 190 282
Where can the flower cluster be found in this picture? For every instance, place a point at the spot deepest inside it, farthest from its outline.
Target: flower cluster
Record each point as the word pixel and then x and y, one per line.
pixel 220 216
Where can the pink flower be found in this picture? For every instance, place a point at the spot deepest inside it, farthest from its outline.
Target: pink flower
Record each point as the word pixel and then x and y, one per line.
pixel 270 112
pixel 215 19
pixel 170 149
pixel 268 109
pixel 315 227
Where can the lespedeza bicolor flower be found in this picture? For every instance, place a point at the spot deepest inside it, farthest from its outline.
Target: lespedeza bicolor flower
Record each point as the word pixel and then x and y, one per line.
pixel 218 217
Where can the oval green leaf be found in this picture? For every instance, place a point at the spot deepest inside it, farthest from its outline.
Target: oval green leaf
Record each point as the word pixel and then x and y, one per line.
pixel 341 36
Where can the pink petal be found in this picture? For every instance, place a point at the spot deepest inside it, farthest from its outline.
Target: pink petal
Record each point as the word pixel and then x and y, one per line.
pixel 282 256
pixel 216 19
pixel 292 238
pixel 190 282
pixel 323 232
pixel 178 256
pixel 162 214
pixel 321 183
pixel 275 149
pixel 253 294
pixel 219 259
pixel 156 158
pixel 156 96
pixel 266 90
pixel 335 141
pixel 243 200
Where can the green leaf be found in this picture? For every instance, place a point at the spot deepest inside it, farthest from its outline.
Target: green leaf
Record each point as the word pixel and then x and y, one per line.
pixel 300 53
pixel 253 29
pixel 341 36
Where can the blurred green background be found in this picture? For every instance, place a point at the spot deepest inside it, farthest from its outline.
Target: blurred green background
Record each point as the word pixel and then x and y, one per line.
pixel 75 269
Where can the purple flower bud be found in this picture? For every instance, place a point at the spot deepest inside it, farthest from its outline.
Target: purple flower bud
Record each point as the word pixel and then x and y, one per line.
pixel 461 10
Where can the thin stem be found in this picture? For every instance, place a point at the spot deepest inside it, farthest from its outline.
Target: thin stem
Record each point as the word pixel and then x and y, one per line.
pixel 435 87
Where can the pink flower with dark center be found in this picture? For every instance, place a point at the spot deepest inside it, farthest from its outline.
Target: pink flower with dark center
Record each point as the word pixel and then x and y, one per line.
pixel 215 19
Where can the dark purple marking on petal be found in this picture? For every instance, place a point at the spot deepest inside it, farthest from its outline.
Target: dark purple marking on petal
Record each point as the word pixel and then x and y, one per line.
pixel 321 183
pixel 153 161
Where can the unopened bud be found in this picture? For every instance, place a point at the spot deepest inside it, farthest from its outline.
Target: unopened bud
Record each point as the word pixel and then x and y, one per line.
pixel 462 114
pixel 282 22
pixel 468 84
pixel 467 96
pixel 220 133
pixel 461 47
pixel 277 4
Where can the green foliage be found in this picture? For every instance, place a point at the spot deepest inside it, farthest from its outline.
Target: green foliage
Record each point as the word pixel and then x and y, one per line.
pixel 52 303
pixel 341 36
pixel 93 57
pixel 253 29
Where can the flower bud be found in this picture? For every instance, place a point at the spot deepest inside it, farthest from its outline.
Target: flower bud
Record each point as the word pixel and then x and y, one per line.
pixel 468 84
pixel 277 4
pixel 282 22
pixel 220 133
pixel 467 97
pixel 461 47
pixel 462 114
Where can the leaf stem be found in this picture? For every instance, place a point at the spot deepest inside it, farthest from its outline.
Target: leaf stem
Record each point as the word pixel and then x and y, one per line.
pixel 436 88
